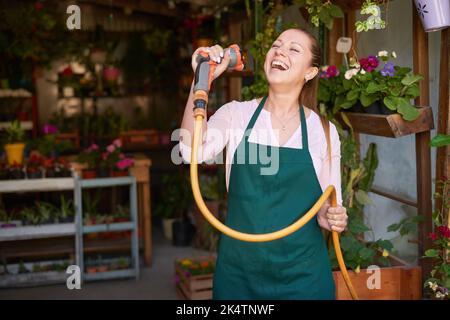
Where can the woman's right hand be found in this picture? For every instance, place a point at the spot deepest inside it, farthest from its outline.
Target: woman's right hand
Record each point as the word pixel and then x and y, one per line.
pixel 217 54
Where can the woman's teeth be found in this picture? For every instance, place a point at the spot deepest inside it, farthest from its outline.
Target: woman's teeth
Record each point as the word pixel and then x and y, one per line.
pixel 279 65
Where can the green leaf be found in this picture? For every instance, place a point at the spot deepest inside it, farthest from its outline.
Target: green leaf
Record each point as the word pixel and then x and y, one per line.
pixel 363 197
pixel 409 79
pixel 413 91
pixel 409 112
pixel 432 253
pixel 353 94
pixel 373 87
pixel 440 140
pixel 367 99
pixel 391 103
pixel 335 11
pixel 393 227
pixel 357 226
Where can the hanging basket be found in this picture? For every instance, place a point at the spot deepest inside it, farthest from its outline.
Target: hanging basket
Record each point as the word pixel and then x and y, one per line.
pixel 435 14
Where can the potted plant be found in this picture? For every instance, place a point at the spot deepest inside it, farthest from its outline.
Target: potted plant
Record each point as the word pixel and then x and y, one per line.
pixel 66 210
pixel 29 216
pixel 15 145
pixel 91 157
pixel 34 167
pixel 49 145
pixel 385 90
pixel 175 200
pixel 435 14
pixel 16 171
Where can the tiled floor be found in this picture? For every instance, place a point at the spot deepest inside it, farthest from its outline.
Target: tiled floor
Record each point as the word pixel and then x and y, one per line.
pixel 154 283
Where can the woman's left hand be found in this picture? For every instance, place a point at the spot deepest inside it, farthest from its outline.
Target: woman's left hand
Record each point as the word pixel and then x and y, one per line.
pixel 333 218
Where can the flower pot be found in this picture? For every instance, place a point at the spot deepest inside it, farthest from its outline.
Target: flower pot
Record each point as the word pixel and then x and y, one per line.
pixel 66 173
pixel 16 174
pixel 89 174
pixel 182 233
pixel 120 173
pixel 357 107
pixel 34 174
pixel 374 108
pixel 435 14
pixel 14 153
pixel 384 109
pixel 50 173
pixel 167 228
pixel 103 172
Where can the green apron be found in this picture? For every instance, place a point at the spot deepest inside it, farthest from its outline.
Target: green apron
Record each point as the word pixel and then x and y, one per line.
pixel 294 267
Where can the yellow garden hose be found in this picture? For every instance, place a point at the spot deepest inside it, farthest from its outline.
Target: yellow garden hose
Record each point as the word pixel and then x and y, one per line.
pixel 199 115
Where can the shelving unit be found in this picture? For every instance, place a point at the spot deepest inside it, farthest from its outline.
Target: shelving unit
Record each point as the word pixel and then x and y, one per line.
pixel 65 231
pixel 123 226
pixel 37 232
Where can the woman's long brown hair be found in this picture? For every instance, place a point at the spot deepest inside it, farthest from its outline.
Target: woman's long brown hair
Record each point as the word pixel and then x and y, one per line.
pixel 308 95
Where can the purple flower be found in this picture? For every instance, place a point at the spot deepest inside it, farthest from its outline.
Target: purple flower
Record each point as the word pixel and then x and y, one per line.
pixel 49 129
pixel 388 70
pixel 176 279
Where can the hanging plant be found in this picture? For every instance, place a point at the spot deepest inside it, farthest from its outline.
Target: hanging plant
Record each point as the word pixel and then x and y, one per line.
pixel 374 21
pixel 321 11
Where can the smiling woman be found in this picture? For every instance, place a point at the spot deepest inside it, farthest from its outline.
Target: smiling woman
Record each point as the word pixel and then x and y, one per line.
pixel 306 148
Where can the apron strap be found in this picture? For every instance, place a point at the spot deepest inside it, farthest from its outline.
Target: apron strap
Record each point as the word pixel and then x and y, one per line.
pixel 304 129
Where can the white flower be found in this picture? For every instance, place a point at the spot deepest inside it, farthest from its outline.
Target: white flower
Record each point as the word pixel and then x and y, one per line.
pixel 324 68
pixel 350 73
pixel 383 53
pixel 394 54
pixel 363 71
pixel 440 295
pixel 432 285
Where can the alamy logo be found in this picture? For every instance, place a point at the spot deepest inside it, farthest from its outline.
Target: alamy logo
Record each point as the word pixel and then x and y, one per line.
pixel 374 281
pixel 74 20
pixel 74 280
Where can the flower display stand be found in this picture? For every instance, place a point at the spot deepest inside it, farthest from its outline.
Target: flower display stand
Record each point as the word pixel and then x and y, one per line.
pixel 392 126
pixel 398 282
pixel 194 286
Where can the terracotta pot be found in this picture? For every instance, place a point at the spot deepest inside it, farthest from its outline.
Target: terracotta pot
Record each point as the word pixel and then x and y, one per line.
pixel 89 174
pixel 120 173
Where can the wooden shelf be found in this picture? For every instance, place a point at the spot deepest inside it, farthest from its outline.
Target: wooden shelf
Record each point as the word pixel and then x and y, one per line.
pixel 392 126
pixel 32 279
pixel 37 185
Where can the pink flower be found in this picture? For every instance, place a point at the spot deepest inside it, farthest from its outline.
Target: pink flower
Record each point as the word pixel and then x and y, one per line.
pixel 444 231
pixel 117 143
pixel 92 147
pixel 332 71
pixel 50 129
pixel 369 63
pixel 433 236
pixel 111 148
pixel 104 155
pixel 124 163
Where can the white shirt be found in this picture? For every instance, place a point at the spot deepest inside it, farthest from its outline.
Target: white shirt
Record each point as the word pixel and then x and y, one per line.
pixel 226 127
